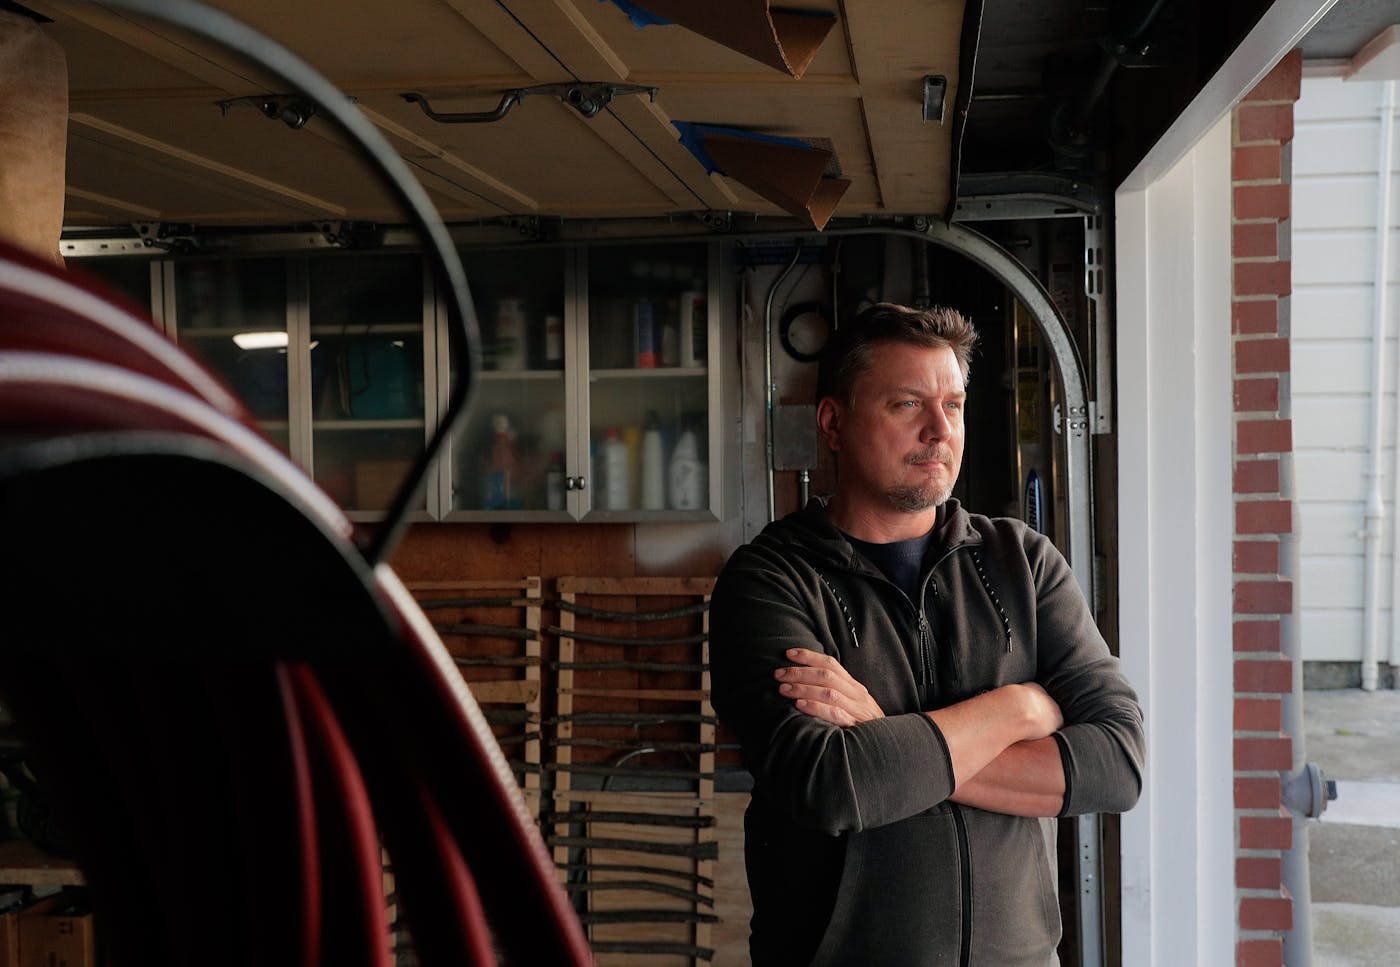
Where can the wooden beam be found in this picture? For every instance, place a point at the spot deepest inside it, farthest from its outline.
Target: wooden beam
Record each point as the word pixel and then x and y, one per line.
pixel 106 201
pixel 634 127
pixel 286 194
pixel 911 158
pixel 478 181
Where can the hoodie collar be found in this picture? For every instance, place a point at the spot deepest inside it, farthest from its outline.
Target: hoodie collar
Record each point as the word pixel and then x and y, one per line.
pixel 812 527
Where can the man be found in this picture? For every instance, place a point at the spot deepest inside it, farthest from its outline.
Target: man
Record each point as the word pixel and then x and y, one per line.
pixel 918 690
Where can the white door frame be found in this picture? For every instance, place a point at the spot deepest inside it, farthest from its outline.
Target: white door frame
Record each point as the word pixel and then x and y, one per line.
pixel 1175 417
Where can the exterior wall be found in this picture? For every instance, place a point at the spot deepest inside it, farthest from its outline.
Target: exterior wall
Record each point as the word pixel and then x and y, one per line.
pixel 1335 164
pixel 1263 513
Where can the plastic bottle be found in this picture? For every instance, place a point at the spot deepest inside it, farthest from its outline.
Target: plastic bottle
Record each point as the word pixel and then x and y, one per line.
pixel 644 319
pixel 501 466
pixel 615 483
pixel 694 320
pixel 510 334
pixel 554 482
pixel 632 439
pixel 553 341
pixel 689 475
pixel 653 465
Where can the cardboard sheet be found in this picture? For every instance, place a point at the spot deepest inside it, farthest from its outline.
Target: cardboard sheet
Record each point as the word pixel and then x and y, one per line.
pixel 790 177
pixel 783 39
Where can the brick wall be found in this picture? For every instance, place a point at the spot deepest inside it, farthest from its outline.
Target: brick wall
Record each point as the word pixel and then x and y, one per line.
pixel 1261 188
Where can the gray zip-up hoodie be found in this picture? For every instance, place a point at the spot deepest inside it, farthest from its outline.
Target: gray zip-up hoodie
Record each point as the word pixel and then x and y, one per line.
pixel 854 854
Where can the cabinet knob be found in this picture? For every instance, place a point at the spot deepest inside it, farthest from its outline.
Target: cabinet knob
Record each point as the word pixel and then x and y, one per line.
pixel 580 482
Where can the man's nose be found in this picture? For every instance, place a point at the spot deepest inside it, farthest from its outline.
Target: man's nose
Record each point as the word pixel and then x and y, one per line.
pixel 937 426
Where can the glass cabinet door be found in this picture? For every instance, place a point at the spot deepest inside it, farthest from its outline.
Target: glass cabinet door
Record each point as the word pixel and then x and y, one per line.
pixel 648 379
pixel 366 325
pixel 232 315
pixel 511 454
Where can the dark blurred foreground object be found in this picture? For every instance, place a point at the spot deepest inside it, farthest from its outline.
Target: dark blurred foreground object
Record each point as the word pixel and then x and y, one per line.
pixel 231 708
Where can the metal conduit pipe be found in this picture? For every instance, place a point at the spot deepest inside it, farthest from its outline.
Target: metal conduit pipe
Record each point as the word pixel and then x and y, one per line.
pixel 1375 506
pixel 768 387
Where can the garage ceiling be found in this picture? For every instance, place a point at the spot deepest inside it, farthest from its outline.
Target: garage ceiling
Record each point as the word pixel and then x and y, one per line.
pixel 148 141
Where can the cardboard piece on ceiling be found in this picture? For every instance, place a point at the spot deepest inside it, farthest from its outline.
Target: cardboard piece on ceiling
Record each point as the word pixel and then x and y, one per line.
pixel 791 176
pixel 783 39
pixel 34 131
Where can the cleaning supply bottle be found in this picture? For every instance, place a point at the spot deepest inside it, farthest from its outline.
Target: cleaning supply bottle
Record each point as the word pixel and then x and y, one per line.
pixel 689 474
pixel 616 485
pixel 501 466
pixel 653 465
pixel 554 482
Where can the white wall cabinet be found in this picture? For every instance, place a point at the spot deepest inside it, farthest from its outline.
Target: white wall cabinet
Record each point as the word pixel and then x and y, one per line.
pixel 600 398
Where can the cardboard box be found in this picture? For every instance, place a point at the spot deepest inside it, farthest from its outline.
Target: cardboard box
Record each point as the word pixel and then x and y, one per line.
pixel 56 932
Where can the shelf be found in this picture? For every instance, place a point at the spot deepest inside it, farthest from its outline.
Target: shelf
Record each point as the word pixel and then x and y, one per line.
pixel 660 372
pixel 372 329
pixel 508 376
pixel 409 424
pixel 23 863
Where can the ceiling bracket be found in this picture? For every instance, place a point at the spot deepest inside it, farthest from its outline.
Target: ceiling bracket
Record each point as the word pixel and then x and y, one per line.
pixel 172 237
pixel 586 98
pixel 292 109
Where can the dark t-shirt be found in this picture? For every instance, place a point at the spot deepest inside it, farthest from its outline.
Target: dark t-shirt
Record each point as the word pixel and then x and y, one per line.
pixel 898 560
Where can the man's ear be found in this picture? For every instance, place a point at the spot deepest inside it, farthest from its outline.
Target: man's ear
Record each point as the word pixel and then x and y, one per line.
pixel 829 416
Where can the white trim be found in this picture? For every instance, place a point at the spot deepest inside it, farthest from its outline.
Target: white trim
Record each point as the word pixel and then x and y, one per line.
pixel 1281 28
pixel 1175 524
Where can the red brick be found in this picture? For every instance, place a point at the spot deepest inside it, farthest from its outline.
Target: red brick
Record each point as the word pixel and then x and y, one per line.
pixel 1264 436
pixel 1266 913
pixel 1257 792
pixel 1263 675
pixel 1264 517
pixel 1259 873
pixel 1264 122
pixel 1263 201
pixel 1263 597
pixel 1259 394
pixel 1262 755
pixel 1283 83
pixel 1260 162
pixel 1258 715
pixel 1266 832
pixel 1255 317
pixel 1256 557
pixel 1258 636
pixel 1255 239
pixel 1261 355
pixel 1256 476
pixel 1259 953
pixel 1263 278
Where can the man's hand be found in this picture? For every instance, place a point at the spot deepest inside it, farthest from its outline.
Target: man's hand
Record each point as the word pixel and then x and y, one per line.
pixel 823 689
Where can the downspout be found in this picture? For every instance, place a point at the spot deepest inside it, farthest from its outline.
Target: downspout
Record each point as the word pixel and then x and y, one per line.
pixel 1383 310
pixel 1375 508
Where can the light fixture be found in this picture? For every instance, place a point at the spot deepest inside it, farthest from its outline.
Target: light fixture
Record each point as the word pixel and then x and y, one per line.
pixel 260 339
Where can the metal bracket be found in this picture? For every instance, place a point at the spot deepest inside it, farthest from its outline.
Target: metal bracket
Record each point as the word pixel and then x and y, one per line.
pixel 292 109
pixel 167 236
pixel 349 234
pixel 585 97
pixel 716 221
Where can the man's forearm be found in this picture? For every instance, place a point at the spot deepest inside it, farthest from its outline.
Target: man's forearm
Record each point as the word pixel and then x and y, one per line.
pixel 979 730
pixel 1027 779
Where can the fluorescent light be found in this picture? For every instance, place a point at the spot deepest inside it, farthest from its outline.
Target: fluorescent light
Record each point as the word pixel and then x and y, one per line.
pixel 260 340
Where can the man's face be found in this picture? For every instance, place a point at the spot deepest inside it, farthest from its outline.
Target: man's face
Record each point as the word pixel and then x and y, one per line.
pixel 899 442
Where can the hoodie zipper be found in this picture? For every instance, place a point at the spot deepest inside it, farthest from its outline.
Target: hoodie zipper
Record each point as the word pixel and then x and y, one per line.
pixel 965 862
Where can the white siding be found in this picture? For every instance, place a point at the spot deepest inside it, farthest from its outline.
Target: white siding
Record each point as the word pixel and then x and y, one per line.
pixel 1335 192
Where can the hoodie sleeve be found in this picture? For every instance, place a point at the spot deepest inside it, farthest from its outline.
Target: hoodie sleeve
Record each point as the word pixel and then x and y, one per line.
pixel 828 778
pixel 1102 744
